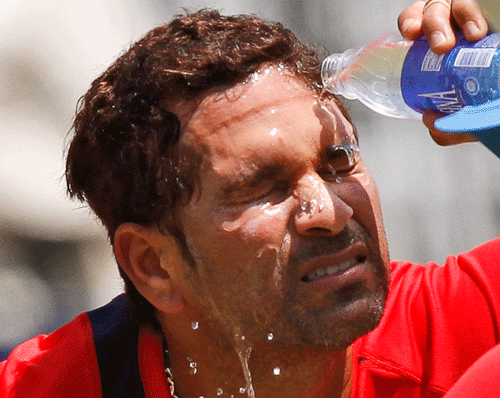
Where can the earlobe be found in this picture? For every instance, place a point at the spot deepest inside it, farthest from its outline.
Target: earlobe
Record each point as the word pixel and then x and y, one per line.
pixel 150 258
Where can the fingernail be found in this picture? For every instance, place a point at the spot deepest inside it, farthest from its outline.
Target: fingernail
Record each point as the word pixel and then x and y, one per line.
pixel 471 28
pixel 407 24
pixel 437 38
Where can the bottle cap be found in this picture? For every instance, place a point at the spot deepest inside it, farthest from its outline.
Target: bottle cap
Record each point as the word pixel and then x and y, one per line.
pixel 481 121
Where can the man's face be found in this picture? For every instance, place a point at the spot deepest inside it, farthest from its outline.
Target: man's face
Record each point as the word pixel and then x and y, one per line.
pixel 285 228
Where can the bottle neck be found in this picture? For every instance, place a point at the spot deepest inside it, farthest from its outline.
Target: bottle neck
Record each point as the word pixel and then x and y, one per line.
pixel 331 72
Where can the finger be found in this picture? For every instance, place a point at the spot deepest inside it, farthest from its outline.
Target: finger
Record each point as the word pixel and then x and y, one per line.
pixel 410 21
pixel 436 25
pixel 429 117
pixel 447 139
pixel 440 137
pixel 470 19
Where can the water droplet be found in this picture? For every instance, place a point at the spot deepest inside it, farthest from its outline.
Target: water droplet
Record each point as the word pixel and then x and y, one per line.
pixel 230 226
pixel 269 210
pixel 265 206
pixel 242 390
pixel 243 349
pixel 314 205
pixel 273 131
pixel 219 391
pixel 239 337
pixel 273 111
pixel 276 371
pixel 195 325
pixel 270 336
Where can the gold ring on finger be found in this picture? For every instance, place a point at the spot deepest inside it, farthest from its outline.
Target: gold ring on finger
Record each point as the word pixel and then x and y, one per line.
pixel 429 3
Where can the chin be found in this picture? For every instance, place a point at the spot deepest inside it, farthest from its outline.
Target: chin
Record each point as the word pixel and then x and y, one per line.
pixel 339 328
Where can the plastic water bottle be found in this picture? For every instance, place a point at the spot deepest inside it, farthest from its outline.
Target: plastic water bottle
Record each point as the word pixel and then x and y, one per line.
pixel 401 78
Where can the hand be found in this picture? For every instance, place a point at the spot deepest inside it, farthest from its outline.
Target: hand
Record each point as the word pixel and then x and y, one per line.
pixel 440 137
pixel 435 19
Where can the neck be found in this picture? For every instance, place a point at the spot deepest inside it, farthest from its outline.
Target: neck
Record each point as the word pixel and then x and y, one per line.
pixel 208 367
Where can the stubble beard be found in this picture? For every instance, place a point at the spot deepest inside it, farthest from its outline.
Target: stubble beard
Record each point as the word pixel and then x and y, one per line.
pixel 291 323
pixel 335 330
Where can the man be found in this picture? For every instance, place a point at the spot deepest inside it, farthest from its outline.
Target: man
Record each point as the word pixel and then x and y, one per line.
pixel 249 234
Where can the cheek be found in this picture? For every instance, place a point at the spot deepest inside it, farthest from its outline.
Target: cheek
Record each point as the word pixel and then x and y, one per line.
pixel 244 252
pixel 255 222
pixel 239 235
pixel 262 233
pixel 261 230
pixel 366 205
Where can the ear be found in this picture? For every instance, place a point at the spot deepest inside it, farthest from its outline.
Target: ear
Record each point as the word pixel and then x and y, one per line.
pixel 150 258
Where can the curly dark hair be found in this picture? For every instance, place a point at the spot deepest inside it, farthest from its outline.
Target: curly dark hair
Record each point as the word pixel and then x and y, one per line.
pixel 123 158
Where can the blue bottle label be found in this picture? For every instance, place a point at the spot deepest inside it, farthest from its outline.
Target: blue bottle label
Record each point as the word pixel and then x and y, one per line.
pixel 467 75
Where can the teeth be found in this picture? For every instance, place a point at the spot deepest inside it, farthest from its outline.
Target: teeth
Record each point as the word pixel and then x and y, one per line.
pixel 318 273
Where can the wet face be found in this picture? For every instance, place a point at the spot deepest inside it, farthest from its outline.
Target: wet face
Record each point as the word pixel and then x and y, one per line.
pixel 285 229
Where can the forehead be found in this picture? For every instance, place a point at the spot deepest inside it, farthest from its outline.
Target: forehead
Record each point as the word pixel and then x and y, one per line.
pixel 272 114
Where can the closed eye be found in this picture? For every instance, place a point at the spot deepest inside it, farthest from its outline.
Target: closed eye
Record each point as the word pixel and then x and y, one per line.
pixel 273 194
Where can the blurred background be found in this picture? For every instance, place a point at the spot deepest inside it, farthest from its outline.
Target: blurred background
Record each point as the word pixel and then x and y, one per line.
pixel 55 261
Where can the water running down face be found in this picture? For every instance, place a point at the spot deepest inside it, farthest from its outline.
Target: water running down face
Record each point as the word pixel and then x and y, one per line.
pixel 285 228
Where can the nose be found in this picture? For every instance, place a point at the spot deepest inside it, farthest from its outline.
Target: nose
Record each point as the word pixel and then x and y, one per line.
pixel 320 210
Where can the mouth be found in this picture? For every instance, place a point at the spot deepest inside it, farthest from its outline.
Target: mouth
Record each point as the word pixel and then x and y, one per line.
pixel 335 269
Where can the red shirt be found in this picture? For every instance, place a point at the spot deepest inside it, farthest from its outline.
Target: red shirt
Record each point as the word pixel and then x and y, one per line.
pixel 438 321
pixel 481 380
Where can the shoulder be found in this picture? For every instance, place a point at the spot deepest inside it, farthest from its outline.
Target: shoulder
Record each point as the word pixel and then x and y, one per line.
pixel 60 364
pixel 462 294
pixel 479 266
pixel 438 319
pixel 481 380
pixel 70 361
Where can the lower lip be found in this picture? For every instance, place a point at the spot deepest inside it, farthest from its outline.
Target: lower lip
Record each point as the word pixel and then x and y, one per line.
pixel 341 278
